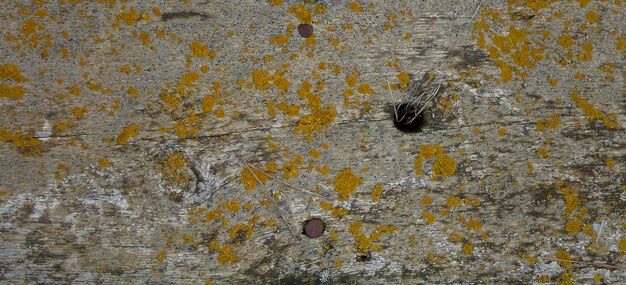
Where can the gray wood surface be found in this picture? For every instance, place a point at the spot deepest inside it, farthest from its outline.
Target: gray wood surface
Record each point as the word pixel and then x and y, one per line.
pixel 103 184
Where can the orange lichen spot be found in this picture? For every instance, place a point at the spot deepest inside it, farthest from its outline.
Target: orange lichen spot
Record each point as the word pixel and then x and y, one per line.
pixel 103 162
pixel 610 163
pixel 314 153
pixel 573 226
pixel 550 123
pixel 622 244
pixel 474 225
pixel 156 11
pixel 365 89
pixel 129 131
pixel 543 152
pixel 279 40
pixel 291 169
pixel 591 112
pixel 592 17
pixel 566 41
pixel 79 112
pixel 452 201
pixel 429 217
pixel 426 200
pixel 160 257
pixel 11 71
pixel 404 78
pixel 505 70
pixel 346 183
pixel 241 230
pixel 536 5
pixel 225 254
pixel 352 78
pixel 563 255
pixel 130 18
pixel 355 7
pixel 208 102
pixel 444 166
pixel 171 167
pixel 11 92
pixel 232 206
pixel 378 190
pixel 27 145
pixel 301 12
pixel 145 38
pixel 262 79
pixel 501 132
pixel 189 78
pixel 201 50
pixel 249 178
pixel 468 249
pixel 275 2
pixel 339 212
pixel 313 123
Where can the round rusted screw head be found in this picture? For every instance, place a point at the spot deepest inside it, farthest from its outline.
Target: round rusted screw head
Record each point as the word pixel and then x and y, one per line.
pixel 305 30
pixel 314 228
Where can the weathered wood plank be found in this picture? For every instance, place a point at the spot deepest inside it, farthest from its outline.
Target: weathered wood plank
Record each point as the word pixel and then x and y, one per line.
pixel 122 161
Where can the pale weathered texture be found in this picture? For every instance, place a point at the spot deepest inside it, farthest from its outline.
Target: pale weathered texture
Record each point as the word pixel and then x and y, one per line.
pixel 123 159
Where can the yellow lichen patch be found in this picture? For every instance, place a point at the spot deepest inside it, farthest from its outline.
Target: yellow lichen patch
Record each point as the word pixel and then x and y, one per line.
pixel 474 225
pixel 249 178
pixel 543 152
pixel 365 89
pixel 11 71
pixel 355 7
pixel 301 12
pixel 592 17
pixel 563 255
pixel 468 249
pixel 201 50
pixel 291 169
pixel 232 206
pixel 339 212
pixel 11 92
pixel 429 217
pixel 262 79
pixel 279 40
pixel 160 257
pixel 208 102
pixel 313 123
pixel 573 226
pixel 365 243
pixel 241 230
pixel 404 79
pixel 225 254
pixel 550 123
pixel 27 145
pixel 378 190
pixel 444 166
pixel 346 183
pixel 129 131
pixel 592 113
pixel 275 2
pixel 171 167
pixel 289 110
pixel 622 244
pixel 103 162
pixel 79 112
pixel 130 18
pixel 536 5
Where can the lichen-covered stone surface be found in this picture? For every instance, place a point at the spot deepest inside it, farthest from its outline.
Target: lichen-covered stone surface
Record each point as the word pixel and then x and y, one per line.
pixel 186 142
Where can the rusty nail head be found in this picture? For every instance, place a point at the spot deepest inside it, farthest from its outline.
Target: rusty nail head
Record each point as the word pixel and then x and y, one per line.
pixel 314 228
pixel 305 30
